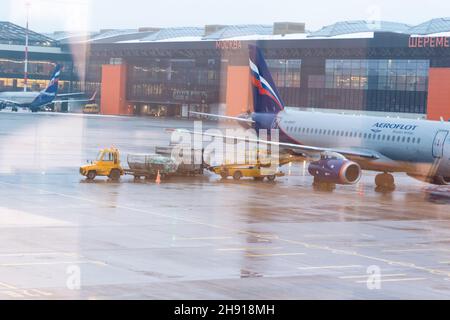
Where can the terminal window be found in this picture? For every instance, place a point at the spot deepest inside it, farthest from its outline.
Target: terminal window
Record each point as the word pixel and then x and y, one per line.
pixel 285 73
pixel 399 75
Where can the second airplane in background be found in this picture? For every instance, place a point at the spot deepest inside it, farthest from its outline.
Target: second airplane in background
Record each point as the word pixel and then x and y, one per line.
pixel 35 101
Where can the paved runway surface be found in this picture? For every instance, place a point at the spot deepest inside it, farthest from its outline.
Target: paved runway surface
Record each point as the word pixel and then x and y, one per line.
pixel 200 238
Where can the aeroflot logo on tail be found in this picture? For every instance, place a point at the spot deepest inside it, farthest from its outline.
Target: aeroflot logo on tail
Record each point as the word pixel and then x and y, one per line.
pixel 394 126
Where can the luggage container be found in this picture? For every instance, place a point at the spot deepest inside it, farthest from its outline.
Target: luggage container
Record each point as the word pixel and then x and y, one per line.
pixel 194 164
pixel 149 165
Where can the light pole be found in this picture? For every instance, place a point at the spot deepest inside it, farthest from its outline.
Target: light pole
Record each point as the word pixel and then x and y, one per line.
pixel 25 86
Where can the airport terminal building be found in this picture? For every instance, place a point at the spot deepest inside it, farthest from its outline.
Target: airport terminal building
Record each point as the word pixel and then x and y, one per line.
pixel 385 67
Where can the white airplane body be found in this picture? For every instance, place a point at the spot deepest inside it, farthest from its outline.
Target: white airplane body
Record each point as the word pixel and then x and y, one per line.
pixel 420 148
pixel 23 98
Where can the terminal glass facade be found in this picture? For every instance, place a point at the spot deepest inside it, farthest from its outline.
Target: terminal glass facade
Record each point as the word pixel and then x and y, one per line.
pixel 286 73
pixel 385 85
pixel 400 75
pixel 178 81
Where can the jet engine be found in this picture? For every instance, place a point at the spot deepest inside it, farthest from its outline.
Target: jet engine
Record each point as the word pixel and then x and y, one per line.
pixel 335 169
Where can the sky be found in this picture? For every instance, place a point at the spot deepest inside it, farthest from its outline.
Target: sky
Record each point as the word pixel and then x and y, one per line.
pixel 79 15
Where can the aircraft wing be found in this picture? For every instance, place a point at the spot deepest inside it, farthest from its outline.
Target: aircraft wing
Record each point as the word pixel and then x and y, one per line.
pixel 70 100
pixel 222 117
pixel 71 94
pixel 299 149
pixel 91 99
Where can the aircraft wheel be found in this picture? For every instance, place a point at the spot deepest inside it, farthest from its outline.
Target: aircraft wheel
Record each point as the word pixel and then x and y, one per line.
pixel 271 178
pixel 385 182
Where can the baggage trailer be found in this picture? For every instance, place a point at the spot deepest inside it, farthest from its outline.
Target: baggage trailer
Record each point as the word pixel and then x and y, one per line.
pixel 259 170
pixel 149 165
pixel 194 164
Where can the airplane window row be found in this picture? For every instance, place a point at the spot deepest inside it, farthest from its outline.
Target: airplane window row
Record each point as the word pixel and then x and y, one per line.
pixel 351 134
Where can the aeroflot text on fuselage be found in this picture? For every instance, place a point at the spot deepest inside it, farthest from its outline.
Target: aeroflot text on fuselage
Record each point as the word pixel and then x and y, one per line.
pixel 408 127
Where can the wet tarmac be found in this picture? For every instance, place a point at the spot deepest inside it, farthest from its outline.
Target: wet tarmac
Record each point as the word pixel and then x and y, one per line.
pixel 201 238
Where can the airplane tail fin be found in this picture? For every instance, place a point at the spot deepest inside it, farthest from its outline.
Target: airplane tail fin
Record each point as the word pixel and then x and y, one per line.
pixel 266 98
pixel 47 95
pixel 52 87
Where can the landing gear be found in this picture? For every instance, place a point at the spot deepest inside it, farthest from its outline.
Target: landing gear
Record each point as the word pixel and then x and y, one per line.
pixel 385 182
pixel 440 181
pixel 323 186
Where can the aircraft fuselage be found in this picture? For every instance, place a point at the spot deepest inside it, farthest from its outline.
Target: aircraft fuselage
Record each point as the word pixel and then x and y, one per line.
pixel 417 147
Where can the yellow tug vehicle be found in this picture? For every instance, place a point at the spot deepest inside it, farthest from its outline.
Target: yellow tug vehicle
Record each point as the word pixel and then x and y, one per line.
pixel 107 164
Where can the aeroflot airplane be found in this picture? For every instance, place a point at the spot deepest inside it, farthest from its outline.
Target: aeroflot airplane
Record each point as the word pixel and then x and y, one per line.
pixel 348 144
pixel 34 101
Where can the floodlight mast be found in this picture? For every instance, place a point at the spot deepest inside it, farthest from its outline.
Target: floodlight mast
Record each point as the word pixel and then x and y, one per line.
pixel 25 85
